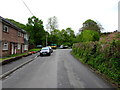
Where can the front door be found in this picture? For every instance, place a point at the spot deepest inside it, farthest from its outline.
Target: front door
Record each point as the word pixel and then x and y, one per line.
pixel 12 48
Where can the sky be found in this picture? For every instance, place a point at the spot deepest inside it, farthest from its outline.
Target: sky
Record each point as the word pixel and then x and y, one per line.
pixel 70 13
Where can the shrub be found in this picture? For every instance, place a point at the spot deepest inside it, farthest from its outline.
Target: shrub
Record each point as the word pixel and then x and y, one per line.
pixel 89 35
pixel 105 57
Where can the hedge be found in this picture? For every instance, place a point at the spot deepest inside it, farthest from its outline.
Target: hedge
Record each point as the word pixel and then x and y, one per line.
pixel 105 57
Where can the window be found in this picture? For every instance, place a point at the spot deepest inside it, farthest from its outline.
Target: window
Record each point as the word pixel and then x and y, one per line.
pixel 19 46
pixel 25 47
pixel 5 46
pixel 5 28
pixel 19 33
pixel 26 36
pixel 22 34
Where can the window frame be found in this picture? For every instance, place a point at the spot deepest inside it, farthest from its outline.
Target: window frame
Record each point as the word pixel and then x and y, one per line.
pixel 19 46
pixel 5 28
pixel 25 47
pixel 5 46
pixel 19 33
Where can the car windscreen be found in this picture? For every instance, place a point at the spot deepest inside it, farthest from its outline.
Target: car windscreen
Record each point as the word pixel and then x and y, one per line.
pixel 44 49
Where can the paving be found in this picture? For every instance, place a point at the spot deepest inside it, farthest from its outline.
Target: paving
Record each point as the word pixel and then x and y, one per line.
pixel 16 63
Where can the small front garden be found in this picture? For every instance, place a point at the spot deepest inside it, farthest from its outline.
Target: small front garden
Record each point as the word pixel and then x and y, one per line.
pixel 22 54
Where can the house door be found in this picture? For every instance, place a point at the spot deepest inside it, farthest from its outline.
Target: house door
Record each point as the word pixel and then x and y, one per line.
pixel 22 48
pixel 12 48
pixel 15 50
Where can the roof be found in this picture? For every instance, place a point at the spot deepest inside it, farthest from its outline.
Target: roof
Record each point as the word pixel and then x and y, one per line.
pixel 11 24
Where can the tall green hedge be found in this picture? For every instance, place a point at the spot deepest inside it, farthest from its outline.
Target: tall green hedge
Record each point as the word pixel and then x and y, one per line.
pixel 105 57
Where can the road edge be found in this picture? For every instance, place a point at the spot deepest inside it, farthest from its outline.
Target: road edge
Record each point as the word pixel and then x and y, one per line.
pixel 103 76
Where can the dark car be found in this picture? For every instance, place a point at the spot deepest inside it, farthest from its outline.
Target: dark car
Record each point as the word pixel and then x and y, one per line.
pixel 45 51
pixel 39 46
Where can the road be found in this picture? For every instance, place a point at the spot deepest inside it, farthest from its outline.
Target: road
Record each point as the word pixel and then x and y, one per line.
pixel 60 70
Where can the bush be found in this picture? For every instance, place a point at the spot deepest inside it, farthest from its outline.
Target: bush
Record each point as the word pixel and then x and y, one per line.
pixel 89 35
pixel 105 57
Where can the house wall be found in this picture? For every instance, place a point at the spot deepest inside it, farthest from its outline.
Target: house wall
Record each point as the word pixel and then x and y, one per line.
pixel 0 39
pixel 11 37
pixel 0 31
pixel 6 52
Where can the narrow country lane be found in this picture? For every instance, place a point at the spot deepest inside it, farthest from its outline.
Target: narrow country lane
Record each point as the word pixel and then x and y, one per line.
pixel 60 70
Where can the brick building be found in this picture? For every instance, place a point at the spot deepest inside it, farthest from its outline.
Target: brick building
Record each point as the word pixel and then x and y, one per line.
pixel 13 40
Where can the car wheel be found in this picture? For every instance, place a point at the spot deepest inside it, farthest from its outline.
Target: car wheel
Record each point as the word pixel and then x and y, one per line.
pixel 49 54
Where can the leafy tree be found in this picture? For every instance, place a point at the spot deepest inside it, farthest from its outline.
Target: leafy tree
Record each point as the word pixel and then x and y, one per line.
pixel 55 37
pixel 52 24
pixel 91 25
pixel 89 35
pixel 67 37
pixel 63 37
pixel 36 30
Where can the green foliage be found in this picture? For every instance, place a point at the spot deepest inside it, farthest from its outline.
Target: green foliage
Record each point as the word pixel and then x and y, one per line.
pixel 35 49
pixel 36 31
pixel 52 24
pixel 118 35
pixel 91 25
pixel 89 35
pixel 18 24
pixel 12 56
pixel 63 37
pixel 105 57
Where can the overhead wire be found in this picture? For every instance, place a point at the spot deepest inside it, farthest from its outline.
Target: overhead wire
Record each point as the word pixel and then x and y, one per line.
pixel 27 7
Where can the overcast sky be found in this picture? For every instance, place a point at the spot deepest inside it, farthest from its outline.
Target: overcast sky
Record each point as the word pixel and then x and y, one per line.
pixel 70 13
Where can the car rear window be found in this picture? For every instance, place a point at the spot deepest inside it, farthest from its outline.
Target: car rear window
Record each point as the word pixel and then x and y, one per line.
pixel 45 48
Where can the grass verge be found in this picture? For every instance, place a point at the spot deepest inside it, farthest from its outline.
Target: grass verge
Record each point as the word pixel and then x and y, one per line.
pixel 11 56
pixel 35 49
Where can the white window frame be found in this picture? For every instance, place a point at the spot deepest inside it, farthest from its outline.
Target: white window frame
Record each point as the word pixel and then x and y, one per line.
pixel 26 36
pixel 5 28
pixel 19 46
pixel 25 47
pixel 19 33
pixel 22 34
pixel 5 46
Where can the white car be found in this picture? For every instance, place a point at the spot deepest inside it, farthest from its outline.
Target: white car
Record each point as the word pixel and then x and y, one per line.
pixel 50 49
pixel 45 51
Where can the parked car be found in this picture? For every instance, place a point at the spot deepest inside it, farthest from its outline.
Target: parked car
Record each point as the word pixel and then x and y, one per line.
pixel 63 47
pixel 45 51
pixel 39 46
pixel 50 48
pixel 54 46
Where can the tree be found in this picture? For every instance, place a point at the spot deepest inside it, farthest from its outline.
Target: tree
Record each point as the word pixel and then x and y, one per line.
pixel 91 25
pixel 36 30
pixel 67 36
pixel 55 37
pixel 52 24
pixel 89 35
pixel 18 24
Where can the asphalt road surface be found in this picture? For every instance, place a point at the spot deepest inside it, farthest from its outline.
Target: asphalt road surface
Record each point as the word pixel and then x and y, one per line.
pixel 60 70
